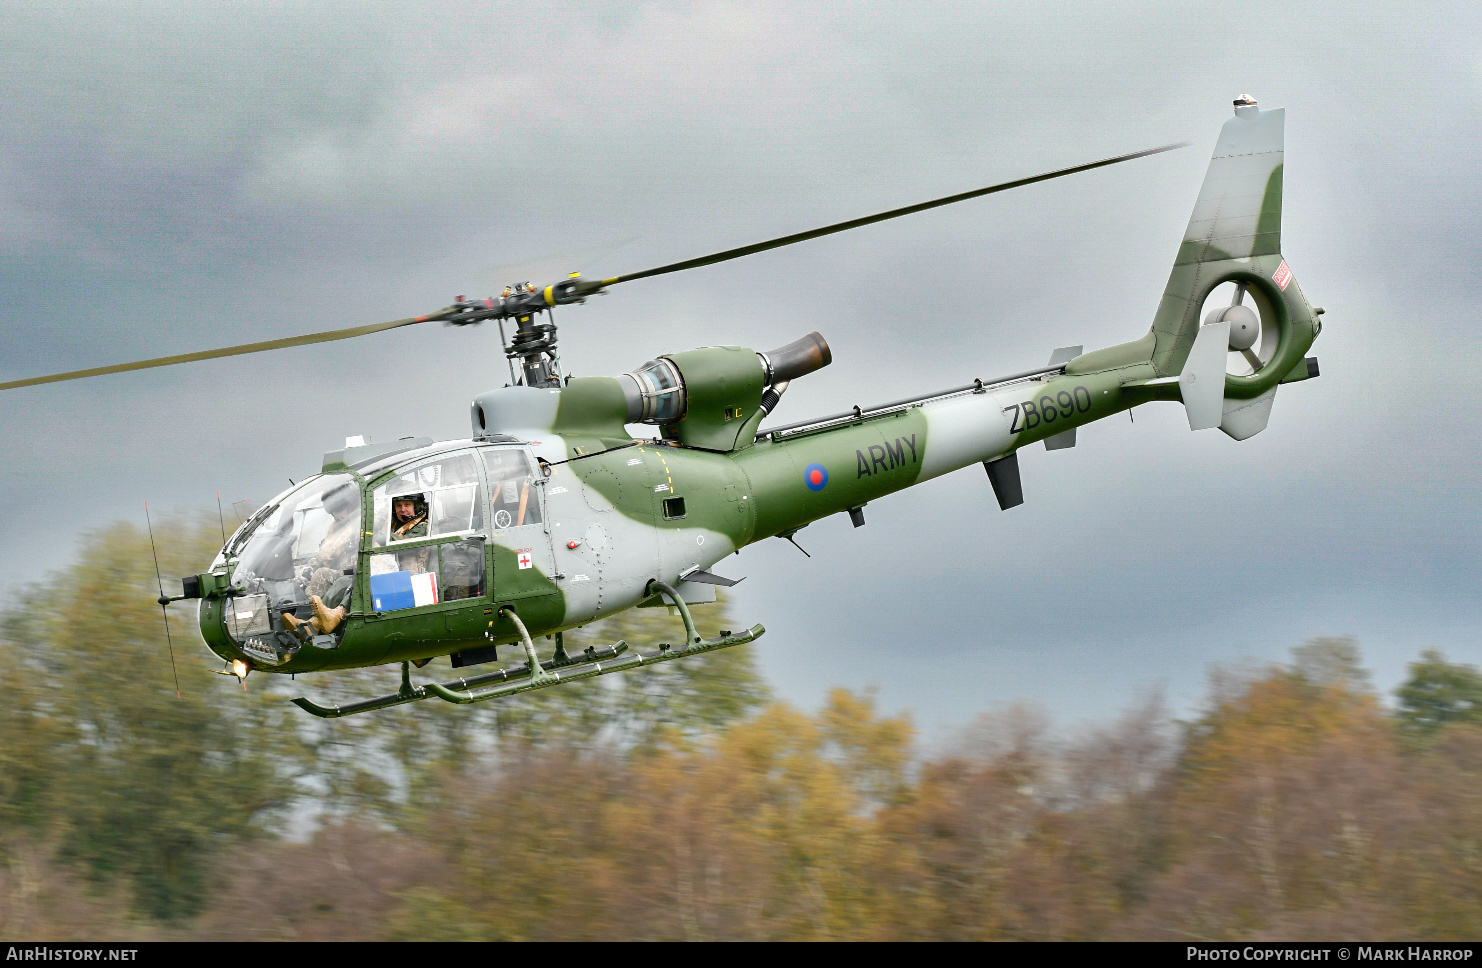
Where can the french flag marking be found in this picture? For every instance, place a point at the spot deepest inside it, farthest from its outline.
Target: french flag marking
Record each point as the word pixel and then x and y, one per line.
pixel 424 589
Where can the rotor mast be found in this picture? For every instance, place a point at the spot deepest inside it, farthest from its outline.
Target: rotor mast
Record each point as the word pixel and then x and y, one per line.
pixel 533 347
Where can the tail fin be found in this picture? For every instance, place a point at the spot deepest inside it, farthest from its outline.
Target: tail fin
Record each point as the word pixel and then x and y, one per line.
pixel 1234 235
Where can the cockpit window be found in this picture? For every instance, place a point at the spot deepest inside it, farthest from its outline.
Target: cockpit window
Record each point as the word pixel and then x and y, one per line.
pixel 435 498
pixel 306 544
pixel 514 500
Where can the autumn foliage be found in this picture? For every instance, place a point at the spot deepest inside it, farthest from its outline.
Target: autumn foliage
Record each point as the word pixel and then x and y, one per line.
pixel 687 806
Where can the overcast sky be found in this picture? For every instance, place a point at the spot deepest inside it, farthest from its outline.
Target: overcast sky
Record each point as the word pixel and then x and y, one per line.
pixel 181 176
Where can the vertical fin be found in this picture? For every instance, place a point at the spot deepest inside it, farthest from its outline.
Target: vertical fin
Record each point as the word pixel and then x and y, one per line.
pixel 1202 382
pixel 1246 418
pixel 1061 440
pixel 1238 214
pixel 1236 223
pixel 1065 354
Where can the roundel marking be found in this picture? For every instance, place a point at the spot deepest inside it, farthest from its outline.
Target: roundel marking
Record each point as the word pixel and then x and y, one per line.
pixel 816 477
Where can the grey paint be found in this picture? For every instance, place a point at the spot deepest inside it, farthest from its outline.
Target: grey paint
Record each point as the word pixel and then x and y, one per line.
pixel 1246 418
pixel 1249 149
pixel 1202 382
pixel 521 412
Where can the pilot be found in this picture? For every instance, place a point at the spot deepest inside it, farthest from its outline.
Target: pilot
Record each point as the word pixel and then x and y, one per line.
pixel 342 540
pixel 326 580
pixel 407 522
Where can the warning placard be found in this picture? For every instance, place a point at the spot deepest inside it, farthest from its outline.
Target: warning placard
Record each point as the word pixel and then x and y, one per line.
pixel 1282 275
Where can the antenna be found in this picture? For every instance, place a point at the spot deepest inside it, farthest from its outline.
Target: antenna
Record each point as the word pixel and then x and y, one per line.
pixel 219 517
pixel 162 599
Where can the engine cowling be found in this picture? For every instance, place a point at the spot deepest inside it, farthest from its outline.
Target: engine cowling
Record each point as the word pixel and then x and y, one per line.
pixel 704 397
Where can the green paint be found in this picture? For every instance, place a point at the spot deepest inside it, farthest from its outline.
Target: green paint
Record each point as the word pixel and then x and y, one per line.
pixel 511 582
pixel 1268 226
pixel 1102 393
pixel 864 460
pixel 723 385
pixel 697 476
pixel 1115 357
pixel 593 407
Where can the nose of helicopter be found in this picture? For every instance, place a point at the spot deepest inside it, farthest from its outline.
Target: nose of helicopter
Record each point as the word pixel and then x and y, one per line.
pixel 289 572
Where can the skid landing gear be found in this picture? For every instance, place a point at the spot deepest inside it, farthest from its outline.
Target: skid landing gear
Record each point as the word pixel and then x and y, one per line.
pixel 535 674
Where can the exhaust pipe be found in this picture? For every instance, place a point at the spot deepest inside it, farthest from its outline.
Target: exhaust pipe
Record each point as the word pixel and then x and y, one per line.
pixel 798 358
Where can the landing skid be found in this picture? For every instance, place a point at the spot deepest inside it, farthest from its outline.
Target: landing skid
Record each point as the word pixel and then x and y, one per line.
pixel 561 668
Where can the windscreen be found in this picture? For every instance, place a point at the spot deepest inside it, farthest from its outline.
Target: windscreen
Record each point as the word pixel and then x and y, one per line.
pixel 309 539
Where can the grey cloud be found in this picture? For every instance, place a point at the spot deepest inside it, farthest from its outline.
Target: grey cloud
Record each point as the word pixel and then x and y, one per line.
pixel 181 175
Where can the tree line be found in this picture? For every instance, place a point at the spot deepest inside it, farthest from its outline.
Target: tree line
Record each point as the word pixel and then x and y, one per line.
pixel 682 802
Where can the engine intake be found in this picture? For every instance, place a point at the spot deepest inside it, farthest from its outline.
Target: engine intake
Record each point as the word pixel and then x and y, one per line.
pixel 655 393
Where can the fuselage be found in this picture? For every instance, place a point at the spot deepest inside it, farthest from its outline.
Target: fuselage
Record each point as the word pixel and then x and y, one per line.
pixel 564 533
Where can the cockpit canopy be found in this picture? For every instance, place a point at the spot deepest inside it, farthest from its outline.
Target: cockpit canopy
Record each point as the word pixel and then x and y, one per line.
pixel 314 525
pixel 431 515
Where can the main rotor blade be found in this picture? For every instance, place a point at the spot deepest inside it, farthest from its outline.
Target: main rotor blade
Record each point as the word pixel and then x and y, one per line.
pixel 552 264
pixel 263 347
pixel 854 223
pixel 353 331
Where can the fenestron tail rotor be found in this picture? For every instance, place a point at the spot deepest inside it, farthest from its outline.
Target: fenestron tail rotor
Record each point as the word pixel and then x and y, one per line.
pixel 1252 342
pixel 534 342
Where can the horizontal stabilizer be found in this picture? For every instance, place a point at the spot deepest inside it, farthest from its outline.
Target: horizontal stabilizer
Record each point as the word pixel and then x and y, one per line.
pixel 1157 381
pixel 1061 356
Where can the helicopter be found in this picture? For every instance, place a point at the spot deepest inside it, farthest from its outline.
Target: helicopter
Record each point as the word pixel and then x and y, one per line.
pixel 552 514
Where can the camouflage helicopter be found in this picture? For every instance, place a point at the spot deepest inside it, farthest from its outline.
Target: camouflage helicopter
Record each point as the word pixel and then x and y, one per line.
pixel 551 514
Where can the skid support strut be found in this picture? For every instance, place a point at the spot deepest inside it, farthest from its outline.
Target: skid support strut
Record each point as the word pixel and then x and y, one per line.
pixel 561 669
pixel 692 637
